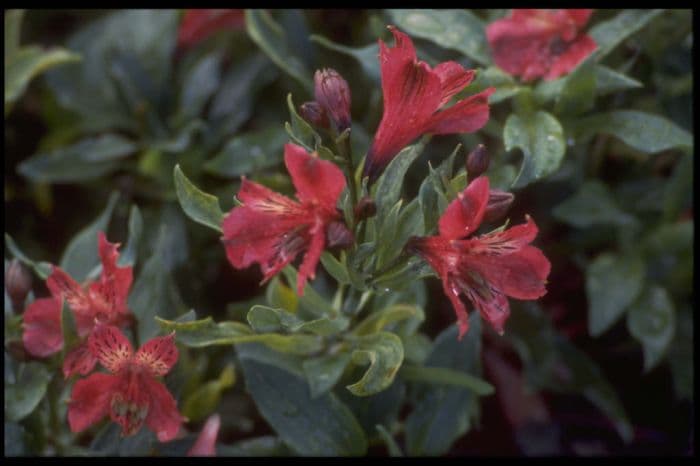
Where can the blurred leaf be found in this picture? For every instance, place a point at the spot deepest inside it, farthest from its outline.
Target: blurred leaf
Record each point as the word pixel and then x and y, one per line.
pixel 391 181
pixel 85 160
pixel 443 414
pixel 13 26
pixel 14 439
pixel 267 319
pixel 378 320
pixel 81 255
pixel 651 320
pixel 579 91
pixel 26 63
pixel 199 206
pixel 645 132
pixel 42 269
pixel 591 205
pixel 609 34
pixel 200 84
pixel 445 376
pixel 272 40
pixel 681 355
pixel 609 81
pixel 128 256
pixel 679 189
pixel 459 30
pixel 541 138
pixel 248 153
pixel 311 302
pixel 267 445
pixel 69 329
pixel 299 130
pixel 321 426
pixel 335 268
pixel 383 352
pixel 206 398
pixel 323 372
pixel 280 295
pixel 612 284
pixel 22 397
pixel 205 332
pixel 367 56
pixel 431 188
pixel 391 445
pixel 506 86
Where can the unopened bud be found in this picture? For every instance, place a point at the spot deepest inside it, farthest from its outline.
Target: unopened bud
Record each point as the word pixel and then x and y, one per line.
pixel 333 94
pixel 338 235
pixel 18 283
pixel 314 114
pixel 365 208
pixel 477 162
pixel 498 205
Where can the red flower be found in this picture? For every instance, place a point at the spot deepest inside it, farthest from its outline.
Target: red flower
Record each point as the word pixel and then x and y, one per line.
pixel 131 394
pixel 272 229
pixel 485 268
pixel 540 43
pixel 101 301
pixel 413 95
pixel 199 24
pixel 206 442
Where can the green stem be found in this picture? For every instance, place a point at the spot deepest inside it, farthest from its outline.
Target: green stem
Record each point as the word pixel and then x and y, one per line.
pixel 346 151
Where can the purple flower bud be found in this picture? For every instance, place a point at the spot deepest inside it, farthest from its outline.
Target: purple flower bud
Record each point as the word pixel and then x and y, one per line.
pixel 18 283
pixel 338 235
pixel 365 208
pixel 477 162
pixel 333 94
pixel 498 205
pixel 314 114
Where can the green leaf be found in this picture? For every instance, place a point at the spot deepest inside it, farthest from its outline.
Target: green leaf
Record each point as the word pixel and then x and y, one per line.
pixel 205 332
pixel 299 130
pixel 335 268
pixel 205 399
pixel 28 62
pixel 248 153
pixel 579 91
pixel 321 426
pixel 609 34
pixel 388 188
pixel 267 319
pixel 42 269
pixel 267 445
pixel 200 84
pixel 378 320
pixel 443 414
pixel 541 138
pixel 22 397
pixel 88 159
pixel 323 372
pixel 431 189
pixel 15 444
pixel 643 131
pixel 391 445
pixel 199 206
pixel 609 81
pixel 679 189
pixel 458 30
pixel 272 40
pixel 383 352
pixel 128 256
pixel 81 255
pixel 612 284
pixel 311 302
pixel 13 26
pixel 69 329
pixel 281 296
pixel 367 56
pixel 445 376
pixel 506 86
pixel 651 320
pixel 592 204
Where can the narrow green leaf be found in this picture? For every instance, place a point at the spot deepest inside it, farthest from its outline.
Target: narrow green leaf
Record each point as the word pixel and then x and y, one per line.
pixel 199 206
pixel 206 398
pixel 592 204
pixel 445 376
pixel 609 34
pixel 651 320
pixel 202 80
pixel 391 445
pixel 265 446
pixel 612 284
pixel 267 319
pixel 281 296
pixel 42 269
pixel 22 397
pixel 128 256
pixel 81 256
pixel 679 189
pixel 323 372
pixel 383 351
pixel 458 30
pixel 506 86
pixel 300 130
pixel 13 27
pixel 541 138
pixel 367 56
pixel 335 268
pixel 379 320
pixel 609 81
pixel 311 302
pixel 579 91
pixel 248 153
pixel 388 188
pixel 272 40
pixel 69 329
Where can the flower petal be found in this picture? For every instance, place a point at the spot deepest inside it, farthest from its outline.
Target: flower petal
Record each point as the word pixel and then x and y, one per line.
pixel 198 24
pixel 109 345
pixel 80 360
pixel 158 355
pixel 114 282
pixel 492 305
pixel 63 287
pixel 579 16
pixel 466 116
pixel 316 181
pixel 452 291
pixel 575 53
pixel 453 78
pixel 503 242
pixel 90 400
pixel 163 417
pixel 42 335
pixel 313 255
pixel 206 441
pixel 464 214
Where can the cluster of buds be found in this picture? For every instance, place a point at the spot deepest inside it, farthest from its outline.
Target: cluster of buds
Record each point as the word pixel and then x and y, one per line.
pixel 332 104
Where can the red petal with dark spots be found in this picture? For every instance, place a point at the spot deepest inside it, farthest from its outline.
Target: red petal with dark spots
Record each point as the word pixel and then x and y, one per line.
pixel 114 282
pixel 79 360
pixel 159 355
pixel 42 335
pixel 109 345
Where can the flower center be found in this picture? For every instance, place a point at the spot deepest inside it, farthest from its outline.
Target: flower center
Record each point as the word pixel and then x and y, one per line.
pixel 128 414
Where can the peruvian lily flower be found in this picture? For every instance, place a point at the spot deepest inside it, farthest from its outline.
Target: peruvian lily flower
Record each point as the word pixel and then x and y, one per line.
pixel 487 268
pixel 273 230
pixel 414 93
pixel 205 445
pixel 198 24
pixel 104 301
pixel 540 43
pixel 130 394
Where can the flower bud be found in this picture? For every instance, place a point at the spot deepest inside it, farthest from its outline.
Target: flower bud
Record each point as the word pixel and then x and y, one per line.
pixel 314 114
pixel 477 162
pixel 333 94
pixel 338 235
pixel 18 283
pixel 365 208
pixel 498 205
